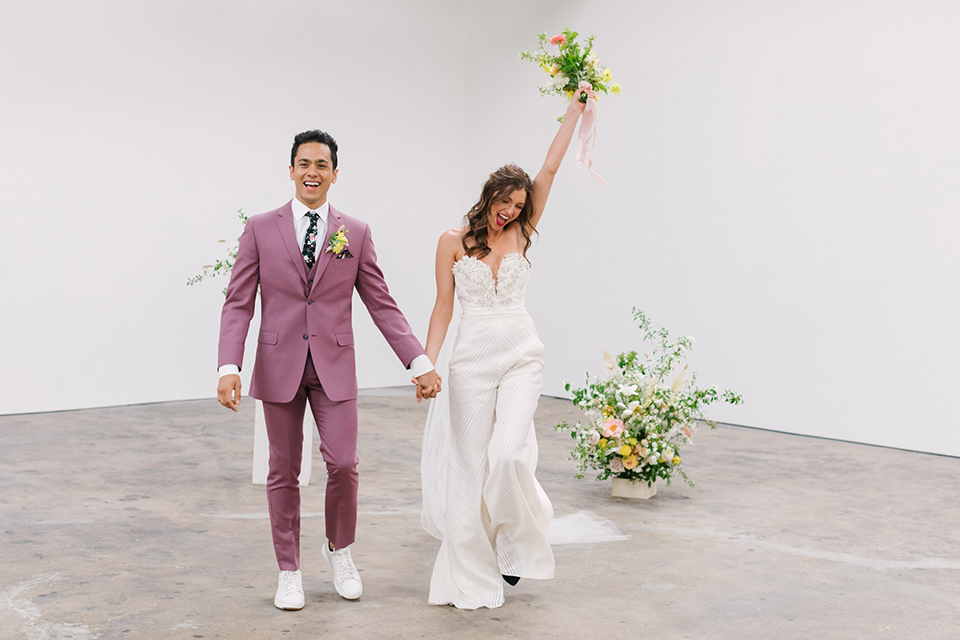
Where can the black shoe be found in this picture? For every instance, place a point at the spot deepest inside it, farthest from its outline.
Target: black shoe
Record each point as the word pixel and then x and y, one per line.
pixel 511 580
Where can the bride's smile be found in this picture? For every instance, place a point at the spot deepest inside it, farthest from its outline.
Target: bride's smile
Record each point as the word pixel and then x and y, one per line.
pixel 508 208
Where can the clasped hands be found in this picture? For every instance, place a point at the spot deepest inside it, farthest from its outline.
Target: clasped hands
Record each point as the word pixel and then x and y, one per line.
pixel 428 385
pixel 228 389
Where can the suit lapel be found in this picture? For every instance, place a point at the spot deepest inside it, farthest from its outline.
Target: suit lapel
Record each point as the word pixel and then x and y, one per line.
pixel 334 220
pixel 289 236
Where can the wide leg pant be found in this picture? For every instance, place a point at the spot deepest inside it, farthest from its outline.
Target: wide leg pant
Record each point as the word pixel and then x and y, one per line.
pixel 496 512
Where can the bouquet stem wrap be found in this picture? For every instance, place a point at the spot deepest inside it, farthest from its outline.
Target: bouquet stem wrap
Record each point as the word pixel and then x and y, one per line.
pixel 588 135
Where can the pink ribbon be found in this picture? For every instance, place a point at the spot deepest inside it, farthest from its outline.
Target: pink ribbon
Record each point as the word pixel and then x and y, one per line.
pixel 588 134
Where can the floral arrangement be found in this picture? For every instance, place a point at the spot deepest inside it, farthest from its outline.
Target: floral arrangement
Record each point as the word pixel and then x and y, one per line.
pixel 570 66
pixel 338 240
pixel 222 267
pixel 636 421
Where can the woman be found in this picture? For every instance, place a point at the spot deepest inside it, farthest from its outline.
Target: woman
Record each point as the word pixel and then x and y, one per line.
pixel 496 514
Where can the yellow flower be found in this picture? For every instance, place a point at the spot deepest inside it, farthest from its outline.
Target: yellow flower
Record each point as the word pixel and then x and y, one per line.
pixel 625 450
pixel 607 75
pixel 603 443
pixel 615 89
pixel 569 93
pixel 676 459
pixel 631 462
pixel 632 441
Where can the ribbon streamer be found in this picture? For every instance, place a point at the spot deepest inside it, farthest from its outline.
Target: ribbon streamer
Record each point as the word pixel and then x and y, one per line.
pixel 588 134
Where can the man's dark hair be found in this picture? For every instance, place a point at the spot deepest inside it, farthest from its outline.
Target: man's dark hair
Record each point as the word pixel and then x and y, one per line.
pixel 314 135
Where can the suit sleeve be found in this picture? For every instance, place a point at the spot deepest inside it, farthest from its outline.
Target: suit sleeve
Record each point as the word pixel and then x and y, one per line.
pixel 241 300
pixel 382 307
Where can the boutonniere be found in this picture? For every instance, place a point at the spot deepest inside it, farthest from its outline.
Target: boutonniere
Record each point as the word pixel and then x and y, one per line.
pixel 338 241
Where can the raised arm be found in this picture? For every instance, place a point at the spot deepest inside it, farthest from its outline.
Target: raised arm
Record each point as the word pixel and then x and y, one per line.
pixel 558 148
pixel 447 249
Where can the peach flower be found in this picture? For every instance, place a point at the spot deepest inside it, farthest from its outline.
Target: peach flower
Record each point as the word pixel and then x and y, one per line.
pixel 558 39
pixel 612 428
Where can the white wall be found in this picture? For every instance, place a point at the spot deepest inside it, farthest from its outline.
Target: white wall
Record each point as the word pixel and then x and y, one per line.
pixel 784 181
pixel 134 131
pixel 784 187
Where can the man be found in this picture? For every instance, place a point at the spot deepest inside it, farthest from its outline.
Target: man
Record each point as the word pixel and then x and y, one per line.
pixel 306 258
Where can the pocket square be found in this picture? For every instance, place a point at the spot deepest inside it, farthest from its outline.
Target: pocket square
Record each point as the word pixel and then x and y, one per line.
pixel 343 254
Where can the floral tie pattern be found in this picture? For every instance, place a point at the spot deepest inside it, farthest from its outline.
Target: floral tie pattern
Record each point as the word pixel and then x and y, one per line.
pixel 310 240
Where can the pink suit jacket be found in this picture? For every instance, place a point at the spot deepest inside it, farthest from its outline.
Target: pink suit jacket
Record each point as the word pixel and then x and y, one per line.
pixel 296 314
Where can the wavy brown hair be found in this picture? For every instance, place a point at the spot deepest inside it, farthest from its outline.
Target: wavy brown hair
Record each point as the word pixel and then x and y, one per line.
pixel 501 183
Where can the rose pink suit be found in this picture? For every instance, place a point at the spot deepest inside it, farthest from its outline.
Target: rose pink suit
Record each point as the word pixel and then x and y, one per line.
pixel 305 351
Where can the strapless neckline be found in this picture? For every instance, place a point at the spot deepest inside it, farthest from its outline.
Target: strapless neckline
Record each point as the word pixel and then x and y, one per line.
pixel 493 276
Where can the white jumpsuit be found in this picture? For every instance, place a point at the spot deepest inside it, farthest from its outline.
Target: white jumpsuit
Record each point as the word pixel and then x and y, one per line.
pixel 496 513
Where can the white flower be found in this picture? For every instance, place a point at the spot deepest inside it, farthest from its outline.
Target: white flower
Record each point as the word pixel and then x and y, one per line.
pixel 628 389
pixel 594 437
pixel 616 465
pixel 630 409
pixel 560 81
pixel 668 453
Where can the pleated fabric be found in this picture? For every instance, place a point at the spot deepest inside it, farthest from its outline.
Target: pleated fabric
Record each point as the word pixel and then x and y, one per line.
pixel 496 513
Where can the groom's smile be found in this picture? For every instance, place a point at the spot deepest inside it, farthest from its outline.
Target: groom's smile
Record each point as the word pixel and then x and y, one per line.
pixel 313 173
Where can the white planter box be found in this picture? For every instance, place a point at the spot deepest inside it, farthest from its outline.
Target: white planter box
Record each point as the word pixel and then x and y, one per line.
pixel 623 488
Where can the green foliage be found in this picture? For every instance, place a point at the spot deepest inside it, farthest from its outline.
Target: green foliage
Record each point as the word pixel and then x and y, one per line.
pixel 223 266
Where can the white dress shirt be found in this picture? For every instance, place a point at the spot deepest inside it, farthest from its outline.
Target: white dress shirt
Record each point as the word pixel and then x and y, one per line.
pixel 301 222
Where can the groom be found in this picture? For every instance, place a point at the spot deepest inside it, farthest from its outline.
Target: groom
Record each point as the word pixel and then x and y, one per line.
pixel 306 258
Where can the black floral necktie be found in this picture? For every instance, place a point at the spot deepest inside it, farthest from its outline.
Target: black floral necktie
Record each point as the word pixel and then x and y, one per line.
pixel 310 240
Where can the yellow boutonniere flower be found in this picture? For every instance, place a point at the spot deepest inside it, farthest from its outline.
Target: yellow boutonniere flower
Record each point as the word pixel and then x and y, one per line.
pixel 338 241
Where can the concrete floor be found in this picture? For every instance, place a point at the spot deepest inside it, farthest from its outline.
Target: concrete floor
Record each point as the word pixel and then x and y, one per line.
pixel 141 522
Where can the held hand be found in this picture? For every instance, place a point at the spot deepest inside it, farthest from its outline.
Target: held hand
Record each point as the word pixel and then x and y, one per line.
pixel 428 385
pixel 228 391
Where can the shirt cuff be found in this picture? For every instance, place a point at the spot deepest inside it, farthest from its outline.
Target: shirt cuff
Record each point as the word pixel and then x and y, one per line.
pixel 228 369
pixel 420 365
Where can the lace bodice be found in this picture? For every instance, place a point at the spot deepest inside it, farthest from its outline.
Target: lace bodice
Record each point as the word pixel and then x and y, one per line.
pixel 478 290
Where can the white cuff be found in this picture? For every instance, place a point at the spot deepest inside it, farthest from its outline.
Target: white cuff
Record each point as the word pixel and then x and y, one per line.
pixel 228 369
pixel 420 365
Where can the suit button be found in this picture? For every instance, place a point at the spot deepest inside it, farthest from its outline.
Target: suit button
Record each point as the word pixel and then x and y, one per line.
pixel 310 281
pixel 305 337
pixel 309 301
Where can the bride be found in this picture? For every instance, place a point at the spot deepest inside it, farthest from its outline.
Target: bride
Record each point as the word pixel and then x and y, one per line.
pixel 496 513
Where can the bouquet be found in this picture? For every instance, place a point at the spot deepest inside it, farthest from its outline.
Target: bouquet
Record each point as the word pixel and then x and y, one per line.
pixel 571 66
pixel 642 412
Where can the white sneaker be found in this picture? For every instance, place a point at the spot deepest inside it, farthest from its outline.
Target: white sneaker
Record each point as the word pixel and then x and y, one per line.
pixel 289 591
pixel 346 580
